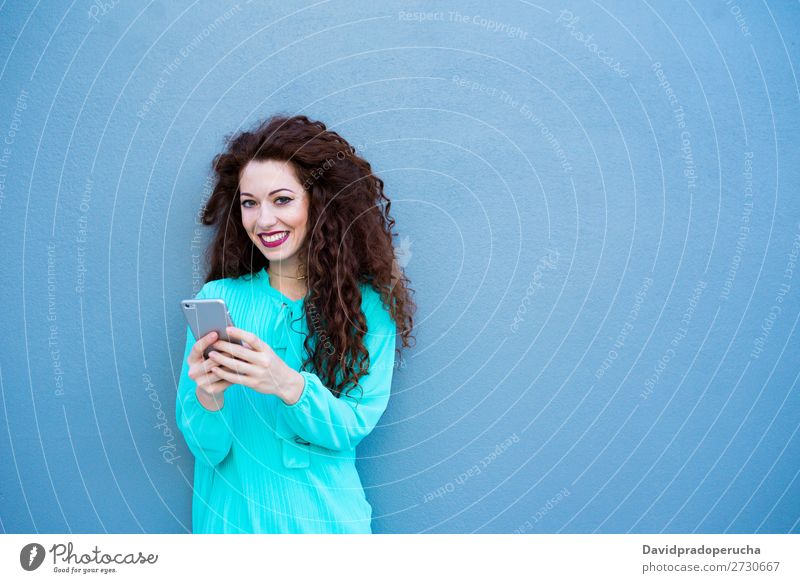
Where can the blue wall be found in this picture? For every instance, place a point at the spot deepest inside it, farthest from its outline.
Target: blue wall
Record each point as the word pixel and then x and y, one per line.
pixel 599 213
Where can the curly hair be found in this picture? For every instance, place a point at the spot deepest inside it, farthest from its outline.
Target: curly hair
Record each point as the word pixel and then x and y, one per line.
pixel 349 239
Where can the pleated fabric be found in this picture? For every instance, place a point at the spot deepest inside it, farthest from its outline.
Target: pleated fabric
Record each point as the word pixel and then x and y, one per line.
pixel 262 466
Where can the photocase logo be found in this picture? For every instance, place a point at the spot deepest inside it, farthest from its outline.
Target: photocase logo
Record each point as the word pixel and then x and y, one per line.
pixel 402 254
pixel 31 556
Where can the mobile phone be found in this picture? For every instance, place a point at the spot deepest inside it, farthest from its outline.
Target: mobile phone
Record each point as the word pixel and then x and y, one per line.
pixel 206 316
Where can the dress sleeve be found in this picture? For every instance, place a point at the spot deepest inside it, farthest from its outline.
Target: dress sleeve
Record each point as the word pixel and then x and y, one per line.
pixel 341 423
pixel 207 433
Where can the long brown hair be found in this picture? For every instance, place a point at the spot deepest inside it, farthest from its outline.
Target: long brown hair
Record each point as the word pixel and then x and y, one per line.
pixel 349 239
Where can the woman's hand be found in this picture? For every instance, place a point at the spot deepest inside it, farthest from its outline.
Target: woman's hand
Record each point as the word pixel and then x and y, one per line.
pixel 256 366
pixel 210 386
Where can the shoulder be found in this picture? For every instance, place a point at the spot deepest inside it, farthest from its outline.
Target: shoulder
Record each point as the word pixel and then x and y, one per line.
pixel 369 297
pixel 210 289
pixel 220 288
pixel 375 309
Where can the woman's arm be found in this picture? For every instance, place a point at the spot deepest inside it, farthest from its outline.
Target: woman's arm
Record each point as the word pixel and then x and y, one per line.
pixel 207 432
pixel 340 424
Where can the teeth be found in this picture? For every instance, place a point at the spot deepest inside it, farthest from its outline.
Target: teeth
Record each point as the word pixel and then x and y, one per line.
pixel 275 237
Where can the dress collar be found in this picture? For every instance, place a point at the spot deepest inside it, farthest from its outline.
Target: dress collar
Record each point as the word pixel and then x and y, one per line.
pixel 263 276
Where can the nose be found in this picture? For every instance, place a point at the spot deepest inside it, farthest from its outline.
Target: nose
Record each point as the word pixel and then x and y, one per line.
pixel 266 218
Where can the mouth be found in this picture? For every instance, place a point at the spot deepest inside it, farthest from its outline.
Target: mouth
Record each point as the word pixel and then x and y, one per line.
pixel 273 239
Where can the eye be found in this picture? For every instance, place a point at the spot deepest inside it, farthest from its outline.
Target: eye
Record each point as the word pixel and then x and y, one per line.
pixel 286 198
pixel 244 203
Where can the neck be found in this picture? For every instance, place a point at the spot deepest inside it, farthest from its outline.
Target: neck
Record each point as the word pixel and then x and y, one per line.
pixel 290 286
pixel 285 272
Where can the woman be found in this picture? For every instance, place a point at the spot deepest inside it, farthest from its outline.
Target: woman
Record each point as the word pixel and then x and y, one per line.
pixel 303 242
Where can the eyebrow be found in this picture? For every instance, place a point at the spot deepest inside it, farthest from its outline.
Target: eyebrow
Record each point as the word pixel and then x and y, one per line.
pixel 270 194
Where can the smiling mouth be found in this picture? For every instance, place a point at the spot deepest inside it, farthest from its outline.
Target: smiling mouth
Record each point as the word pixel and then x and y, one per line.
pixel 274 240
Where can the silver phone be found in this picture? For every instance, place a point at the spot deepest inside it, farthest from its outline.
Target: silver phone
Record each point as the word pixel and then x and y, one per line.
pixel 206 316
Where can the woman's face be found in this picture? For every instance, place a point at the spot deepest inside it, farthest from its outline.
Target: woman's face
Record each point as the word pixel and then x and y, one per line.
pixel 274 209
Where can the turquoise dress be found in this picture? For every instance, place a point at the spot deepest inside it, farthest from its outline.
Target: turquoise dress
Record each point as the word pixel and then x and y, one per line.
pixel 262 466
